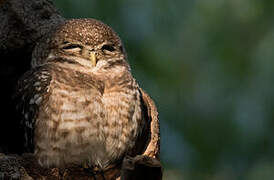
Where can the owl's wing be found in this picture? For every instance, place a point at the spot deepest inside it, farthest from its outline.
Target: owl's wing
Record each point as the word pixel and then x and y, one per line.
pixel 32 90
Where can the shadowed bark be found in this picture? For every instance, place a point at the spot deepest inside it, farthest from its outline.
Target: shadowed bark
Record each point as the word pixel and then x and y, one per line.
pixel 24 22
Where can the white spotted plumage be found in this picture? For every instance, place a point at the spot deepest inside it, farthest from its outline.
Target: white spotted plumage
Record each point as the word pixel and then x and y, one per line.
pixel 77 113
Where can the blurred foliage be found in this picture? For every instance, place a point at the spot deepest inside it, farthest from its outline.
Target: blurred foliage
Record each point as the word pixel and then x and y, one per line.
pixel 208 64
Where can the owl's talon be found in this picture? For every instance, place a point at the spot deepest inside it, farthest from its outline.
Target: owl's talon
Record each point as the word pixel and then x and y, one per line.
pixel 86 165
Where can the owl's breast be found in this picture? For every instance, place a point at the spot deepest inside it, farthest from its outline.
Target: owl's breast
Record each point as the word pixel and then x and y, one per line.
pixel 68 127
pixel 124 118
pixel 80 124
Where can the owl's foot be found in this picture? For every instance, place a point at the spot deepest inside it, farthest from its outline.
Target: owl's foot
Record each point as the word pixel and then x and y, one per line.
pixel 95 172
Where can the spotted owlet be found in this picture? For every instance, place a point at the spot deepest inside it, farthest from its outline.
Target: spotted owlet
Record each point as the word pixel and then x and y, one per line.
pixel 79 102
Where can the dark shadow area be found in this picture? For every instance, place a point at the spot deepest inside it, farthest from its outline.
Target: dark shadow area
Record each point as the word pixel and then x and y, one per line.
pixel 13 65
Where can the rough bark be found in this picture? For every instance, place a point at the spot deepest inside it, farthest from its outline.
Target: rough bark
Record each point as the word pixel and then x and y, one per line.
pixel 23 22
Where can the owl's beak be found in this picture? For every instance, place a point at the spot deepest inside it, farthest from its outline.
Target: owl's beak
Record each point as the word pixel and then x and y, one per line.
pixel 93 58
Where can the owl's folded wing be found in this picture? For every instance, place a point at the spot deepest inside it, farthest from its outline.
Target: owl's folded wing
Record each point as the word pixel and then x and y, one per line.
pixel 31 91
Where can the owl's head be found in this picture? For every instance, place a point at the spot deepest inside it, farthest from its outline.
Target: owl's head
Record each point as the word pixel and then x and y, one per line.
pixel 85 41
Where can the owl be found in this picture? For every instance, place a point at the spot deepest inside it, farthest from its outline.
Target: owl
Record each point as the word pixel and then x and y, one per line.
pixel 79 101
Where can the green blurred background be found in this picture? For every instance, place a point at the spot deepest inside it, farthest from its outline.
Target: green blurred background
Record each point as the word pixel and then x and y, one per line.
pixel 208 64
